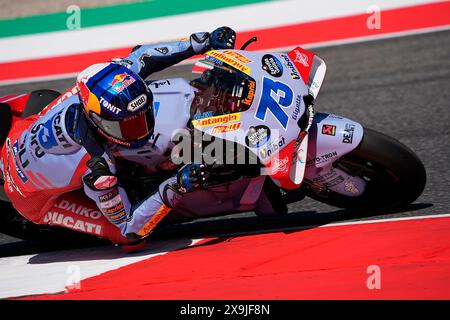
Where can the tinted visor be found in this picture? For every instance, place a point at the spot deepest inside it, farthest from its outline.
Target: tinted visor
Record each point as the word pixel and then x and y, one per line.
pixel 128 130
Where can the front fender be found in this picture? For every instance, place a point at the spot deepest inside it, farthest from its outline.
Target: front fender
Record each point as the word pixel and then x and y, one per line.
pixel 330 137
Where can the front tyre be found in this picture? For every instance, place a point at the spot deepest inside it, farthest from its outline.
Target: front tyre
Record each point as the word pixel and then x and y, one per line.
pixel 394 175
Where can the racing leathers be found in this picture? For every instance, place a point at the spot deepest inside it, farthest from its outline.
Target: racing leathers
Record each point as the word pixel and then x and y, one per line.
pixel 54 152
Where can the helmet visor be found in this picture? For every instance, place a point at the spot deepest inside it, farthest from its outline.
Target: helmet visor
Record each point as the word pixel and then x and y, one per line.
pixel 128 130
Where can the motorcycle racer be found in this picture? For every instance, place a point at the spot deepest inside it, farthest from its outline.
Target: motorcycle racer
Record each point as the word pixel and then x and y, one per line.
pixel 72 145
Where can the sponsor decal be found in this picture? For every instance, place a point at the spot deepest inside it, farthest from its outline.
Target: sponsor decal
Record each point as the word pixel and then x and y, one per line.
pixel 160 83
pixel 109 106
pixel 272 65
pixel 121 81
pixel 348 135
pixel 230 61
pixel 47 135
pixel 334 182
pixel 115 140
pixel 14 151
pixel 217 120
pixel 112 206
pixel 288 63
pixel 10 181
pixel 322 158
pixel 157 217
pixel 59 219
pixel 272 148
pixel 117 217
pixel 333 116
pixel 214 60
pixel 238 56
pixel 59 131
pixel 329 130
pixel 279 165
pixel 203 115
pixel 257 136
pixel 137 103
pixel 162 50
pixel 329 179
pixel 22 153
pixel 251 86
pixel 300 156
pixel 298 103
pixel 301 58
pixel 110 199
pixel 350 187
pixel 275 96
pixel 79 209
pixel 37 151
pixel 226 128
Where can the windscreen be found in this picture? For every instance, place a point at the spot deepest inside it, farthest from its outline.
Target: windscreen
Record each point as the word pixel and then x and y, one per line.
pixel 221 90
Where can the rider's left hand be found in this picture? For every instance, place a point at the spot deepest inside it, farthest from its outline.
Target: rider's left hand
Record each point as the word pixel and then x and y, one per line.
pixel 223 38
pixel 191 177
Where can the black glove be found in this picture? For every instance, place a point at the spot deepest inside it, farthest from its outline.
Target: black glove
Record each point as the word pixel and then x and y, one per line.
pixel 223 38
pixel 101 178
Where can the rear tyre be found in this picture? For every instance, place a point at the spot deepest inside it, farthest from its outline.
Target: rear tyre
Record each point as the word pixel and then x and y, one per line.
pixel 394 175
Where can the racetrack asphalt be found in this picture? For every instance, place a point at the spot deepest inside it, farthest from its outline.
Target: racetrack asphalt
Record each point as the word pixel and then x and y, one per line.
pixel 397 86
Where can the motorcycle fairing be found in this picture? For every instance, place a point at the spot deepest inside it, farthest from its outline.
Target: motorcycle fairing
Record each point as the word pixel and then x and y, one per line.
pixel 277 104
pixel 311 68
pixel 330 138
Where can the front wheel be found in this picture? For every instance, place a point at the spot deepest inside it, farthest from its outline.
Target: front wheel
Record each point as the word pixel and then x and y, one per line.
pixel 394 175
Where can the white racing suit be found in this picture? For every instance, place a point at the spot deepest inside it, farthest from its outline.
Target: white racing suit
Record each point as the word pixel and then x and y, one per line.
pixel 42 157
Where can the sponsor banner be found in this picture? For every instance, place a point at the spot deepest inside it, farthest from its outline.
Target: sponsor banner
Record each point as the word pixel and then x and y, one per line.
pixel 60 219
pixel 237 56
pixel 272 65
pixel 157 217
pixel 226 128
pixel 230 61
pixel 328 130
pixel 348 135
pixel 257 136
pixel 217 120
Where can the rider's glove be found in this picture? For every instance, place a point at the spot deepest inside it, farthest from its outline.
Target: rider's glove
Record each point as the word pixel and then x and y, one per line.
pixel 101 177
pixel 223 38
pixel 191 177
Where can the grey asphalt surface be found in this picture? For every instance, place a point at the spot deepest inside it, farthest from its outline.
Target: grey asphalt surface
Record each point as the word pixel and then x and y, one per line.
pixel 398 86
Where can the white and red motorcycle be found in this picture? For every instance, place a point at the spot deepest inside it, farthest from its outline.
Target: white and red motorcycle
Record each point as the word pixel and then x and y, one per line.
pixel 262 105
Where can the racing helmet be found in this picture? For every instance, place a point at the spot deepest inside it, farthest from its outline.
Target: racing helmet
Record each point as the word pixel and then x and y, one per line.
pixel 117 103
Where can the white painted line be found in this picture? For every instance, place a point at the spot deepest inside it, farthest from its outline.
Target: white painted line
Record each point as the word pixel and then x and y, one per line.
pixel 50 272
pixel 351 223
pixel 306 46
pixel 337 224
pixel 241 18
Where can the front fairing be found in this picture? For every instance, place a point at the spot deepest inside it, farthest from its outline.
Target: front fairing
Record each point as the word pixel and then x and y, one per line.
pixel 269 126
pixel 277 104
